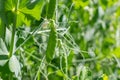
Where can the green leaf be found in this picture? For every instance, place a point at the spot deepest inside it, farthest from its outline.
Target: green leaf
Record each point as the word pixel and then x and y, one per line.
pixel 23 3
pixel 10 5
pixel 51 9
pixel 23 12
pixel 22 19
pixel 51 43
pixel 3 53
pixel 3 49
pixel 3 57
pixel 35 12
pixel 105 77
pixel 8 38
pixel 80 3
pixel 3 62
pixel 14 65
pixel 116 52
pixel 118 12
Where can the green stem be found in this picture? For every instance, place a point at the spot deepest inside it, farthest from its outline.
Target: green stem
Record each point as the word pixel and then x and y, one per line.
pixel 2 31
pixel 13 35
pixel 14 29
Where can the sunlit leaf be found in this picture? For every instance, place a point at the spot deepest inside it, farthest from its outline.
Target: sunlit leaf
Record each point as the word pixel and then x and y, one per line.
pixel 118 12
pixel 23 3
pixel 35 12
pixel 22 19
pixel 23 11
pixel 116 52
pixel 10 5
pixel 105 77
pixel 80 3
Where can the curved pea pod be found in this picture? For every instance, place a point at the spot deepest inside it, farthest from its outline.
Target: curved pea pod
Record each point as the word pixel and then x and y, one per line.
pixel 51 43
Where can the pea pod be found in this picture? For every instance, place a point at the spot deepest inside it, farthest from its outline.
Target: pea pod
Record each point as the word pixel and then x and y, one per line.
pixel 51 43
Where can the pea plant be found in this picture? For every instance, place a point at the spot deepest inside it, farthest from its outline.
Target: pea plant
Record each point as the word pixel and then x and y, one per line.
pixel 59 40
pixel 16 15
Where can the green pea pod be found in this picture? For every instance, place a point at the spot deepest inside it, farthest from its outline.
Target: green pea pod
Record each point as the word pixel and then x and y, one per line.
pixel 51 43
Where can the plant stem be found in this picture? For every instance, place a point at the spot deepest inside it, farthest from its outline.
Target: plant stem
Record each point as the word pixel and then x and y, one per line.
pixel 13 35
pixel 2 31
pixel 13 30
